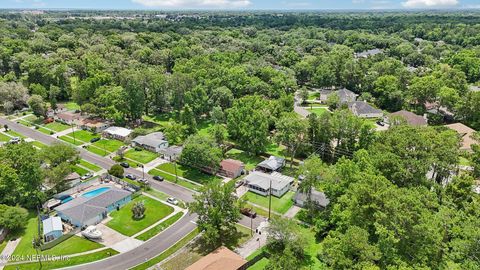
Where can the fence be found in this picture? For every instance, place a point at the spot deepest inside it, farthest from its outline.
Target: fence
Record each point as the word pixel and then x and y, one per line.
pixel 120 182
pixel 59 240
pixel 77 188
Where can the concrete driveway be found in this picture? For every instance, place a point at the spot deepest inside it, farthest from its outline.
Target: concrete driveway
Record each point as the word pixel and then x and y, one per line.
pixel 110 237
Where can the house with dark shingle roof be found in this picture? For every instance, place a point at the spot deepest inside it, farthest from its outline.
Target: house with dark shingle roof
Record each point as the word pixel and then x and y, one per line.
pixel 153 142
pixel 231 168
pixel 85 210
pixel 364 110
pixel 272 164
pixel 409 117
pixel 345 95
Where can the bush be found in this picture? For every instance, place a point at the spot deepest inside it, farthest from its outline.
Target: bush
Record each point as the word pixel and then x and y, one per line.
pixel 138 210
pixel 51 132
pixel 116 170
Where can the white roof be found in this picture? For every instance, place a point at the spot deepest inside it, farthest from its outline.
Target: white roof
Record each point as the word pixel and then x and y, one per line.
pixel 52 224
pixel 119 131
pixel 260 179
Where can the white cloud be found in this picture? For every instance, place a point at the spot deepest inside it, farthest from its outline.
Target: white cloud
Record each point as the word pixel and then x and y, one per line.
pixel 194 3
pixel 429 3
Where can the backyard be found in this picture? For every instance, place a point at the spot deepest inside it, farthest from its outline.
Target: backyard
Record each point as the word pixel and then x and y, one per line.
pixel 142 156
pixel 279 205
pixel 318 110
pixel 123 222
pixel 248 159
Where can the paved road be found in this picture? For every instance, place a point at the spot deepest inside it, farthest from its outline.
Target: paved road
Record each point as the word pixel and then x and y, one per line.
pixel 158 243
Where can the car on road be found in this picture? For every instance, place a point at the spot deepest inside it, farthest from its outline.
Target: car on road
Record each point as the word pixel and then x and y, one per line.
pixel 86 176
pixel 158 178
pixel 125 164
pixel 143 181
pixel 131 176
pixel 248 212
pixel 94 140
pixel 172 200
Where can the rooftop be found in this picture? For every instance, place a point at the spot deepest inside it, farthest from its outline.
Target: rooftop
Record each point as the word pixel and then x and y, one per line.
pixel 466 133
pixel 220 259
pixel 316 196
pixel 411 118
pixel 231 165
pixel 152 139
pixel 68 116
pixel 362 107
pixel 52 224
pixel 119 131
pixel 346 95
pixel 272 163
pixel 279 181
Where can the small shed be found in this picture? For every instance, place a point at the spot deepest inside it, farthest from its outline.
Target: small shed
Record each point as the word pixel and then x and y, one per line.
pixel 272 164
pixel 52 228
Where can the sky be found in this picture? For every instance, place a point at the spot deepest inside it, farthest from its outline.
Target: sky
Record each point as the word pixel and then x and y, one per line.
pixel 241 4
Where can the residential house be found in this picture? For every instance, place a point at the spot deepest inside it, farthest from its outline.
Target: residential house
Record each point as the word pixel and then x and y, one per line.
pixel 272 164
pixel 171 153
pixel 60 109
pixel 368 53
pixel 118 133
pixel 231 168
pixel 72 179
pixel 346 96
pixel 69 118
pixel 364 110
pixel 153 142
pixel 466 135
pixel 319 199
pixel 52 228
pixel 410 118
pixel 263 183
pixel 220 259
pixel 95 125
pixel 324 94
pixel 90 210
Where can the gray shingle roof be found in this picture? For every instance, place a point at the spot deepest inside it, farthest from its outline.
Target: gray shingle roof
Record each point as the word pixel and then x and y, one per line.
pixel 83 209
pixel 153 139
pixel 362 107
pixel 345 95
pixel 369 53
pixel 272 163
pixel 260 179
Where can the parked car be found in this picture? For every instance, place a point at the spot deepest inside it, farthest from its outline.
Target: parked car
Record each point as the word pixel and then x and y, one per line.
pixel 15 140
pixel 172 200
pixel 125 164
pixel 238 183
pixel 86 176
pixel 131 176
pixel 94 140
pixel 158 178
pixel 248 212
pixel 143 181
pixel 380 123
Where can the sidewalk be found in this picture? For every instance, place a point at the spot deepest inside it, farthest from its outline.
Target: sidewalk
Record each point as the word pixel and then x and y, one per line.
pixel 7 251
pixel 154 163
pixel 292 212
pixel 257 241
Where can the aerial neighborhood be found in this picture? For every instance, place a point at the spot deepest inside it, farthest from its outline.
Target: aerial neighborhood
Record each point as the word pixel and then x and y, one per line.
pixel 232 140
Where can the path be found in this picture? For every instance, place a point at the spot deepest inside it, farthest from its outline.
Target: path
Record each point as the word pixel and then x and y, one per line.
pixel 258 240
pixel 292 212
pixel 7 251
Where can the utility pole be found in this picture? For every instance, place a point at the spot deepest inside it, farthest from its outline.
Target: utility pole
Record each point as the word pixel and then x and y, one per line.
pixel 175 165
pixel 73 132
pixel 270 200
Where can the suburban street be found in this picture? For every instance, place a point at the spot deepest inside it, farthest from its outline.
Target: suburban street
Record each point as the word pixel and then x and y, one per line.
pixel 157 244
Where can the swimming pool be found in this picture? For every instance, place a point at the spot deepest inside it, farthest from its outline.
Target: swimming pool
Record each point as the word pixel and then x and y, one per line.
pixel 95 192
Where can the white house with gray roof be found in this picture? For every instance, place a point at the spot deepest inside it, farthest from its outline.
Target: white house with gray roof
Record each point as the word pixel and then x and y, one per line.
pixel 154 142
pixel 92 209
pixel 119 133
pixel 271 164
pixel 364 110
pixel 260 183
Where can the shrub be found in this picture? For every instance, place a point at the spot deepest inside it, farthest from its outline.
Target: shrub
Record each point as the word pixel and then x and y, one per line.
pixel 138 210
pixel 116 170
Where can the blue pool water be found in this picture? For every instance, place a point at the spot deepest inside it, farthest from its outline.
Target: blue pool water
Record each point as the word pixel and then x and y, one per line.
pixel 66 199
pixel 95 192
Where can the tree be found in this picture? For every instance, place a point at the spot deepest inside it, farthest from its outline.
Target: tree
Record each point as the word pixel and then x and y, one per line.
pixel 291 131
pixel 247 122
pixel 476 155
pixel 423 90
pixel 218 211
pixel 5 127
pixel 175 131
pixel 312 170
pixel 12 217
pixel 388 92
pixel 217 115
pixel 219 133
pixel 38 106
pixel 58 153
pixel 333 101
pixel 138 210
pixel 201 152
pixel 188 120
pixel 116 170
pixel 13 94
pixel 303 93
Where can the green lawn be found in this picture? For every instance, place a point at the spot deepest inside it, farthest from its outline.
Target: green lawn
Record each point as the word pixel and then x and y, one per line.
pixel 171 178
pixel 276 150
pixel 160 227
pixel 64 263
pixel 248 159
pixel 313 95
pixel 81 171
pixel 279 205
pixel 83 135
pixel 318 110
pixel 109 144
pixel 204 127
pixel 187 172
pixel 89 165
pixel 32 118
pixel 260 211
pixel 25 123
pixel 132 163
pixel 123 222
pixel 160 119
pixel 464 162
pixel 260 265
pixel 24 247
pixel 142 156
pixel 38 144
pixel 167 253
pixel 44 130
pixel 97 150
pixel 14 134
pixel 4 138
pixel 57 126
pixel 72 106
pixel 71 140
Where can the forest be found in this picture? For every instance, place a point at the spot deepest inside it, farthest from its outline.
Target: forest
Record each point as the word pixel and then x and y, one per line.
pixel 394 202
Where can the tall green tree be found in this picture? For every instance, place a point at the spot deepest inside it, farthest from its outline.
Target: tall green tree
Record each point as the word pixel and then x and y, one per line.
pixel 291 131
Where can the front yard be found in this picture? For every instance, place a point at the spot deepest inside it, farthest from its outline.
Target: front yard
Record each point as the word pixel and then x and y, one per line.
pixel 142 156
pixel 318 110
pixel 109 145
pixel 279 205
pixel 171 178
pixel 83 135
pixel 187 172
pixel 57 126
pixel 123 222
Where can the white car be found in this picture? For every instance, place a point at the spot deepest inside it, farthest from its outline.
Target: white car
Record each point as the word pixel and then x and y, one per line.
pixel 86 176
pixel 172 200
pixel 15 140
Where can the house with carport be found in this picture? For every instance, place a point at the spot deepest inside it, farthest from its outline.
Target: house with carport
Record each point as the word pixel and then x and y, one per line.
pixel 264 183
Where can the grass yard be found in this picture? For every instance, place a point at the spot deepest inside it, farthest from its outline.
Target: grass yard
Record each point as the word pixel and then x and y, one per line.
pixel 167 253
pixel 142 156
pixel 260 211
pixel 248 159
pixel 38 144
pixel 187 172
pixel 260 265
pixel 318 110
pixel 171 178
pixel 44 130
pixel 72 106
pixel 57 126
pixel 83 135
pixel 25 123
pixel 97 150
pixel 203 127
pixel 33 119
pixel 81 171
pixel 160 227
pixel 276 150
pixel 64 263
pixel 124 223
pixel 4 138
pixel 313 95
pixel 68 139
pixel 464 162
pixel 196 250
pixel 109 145
pixel 132 163
pixel 279 205
pixel 14 134
pixel 89 165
